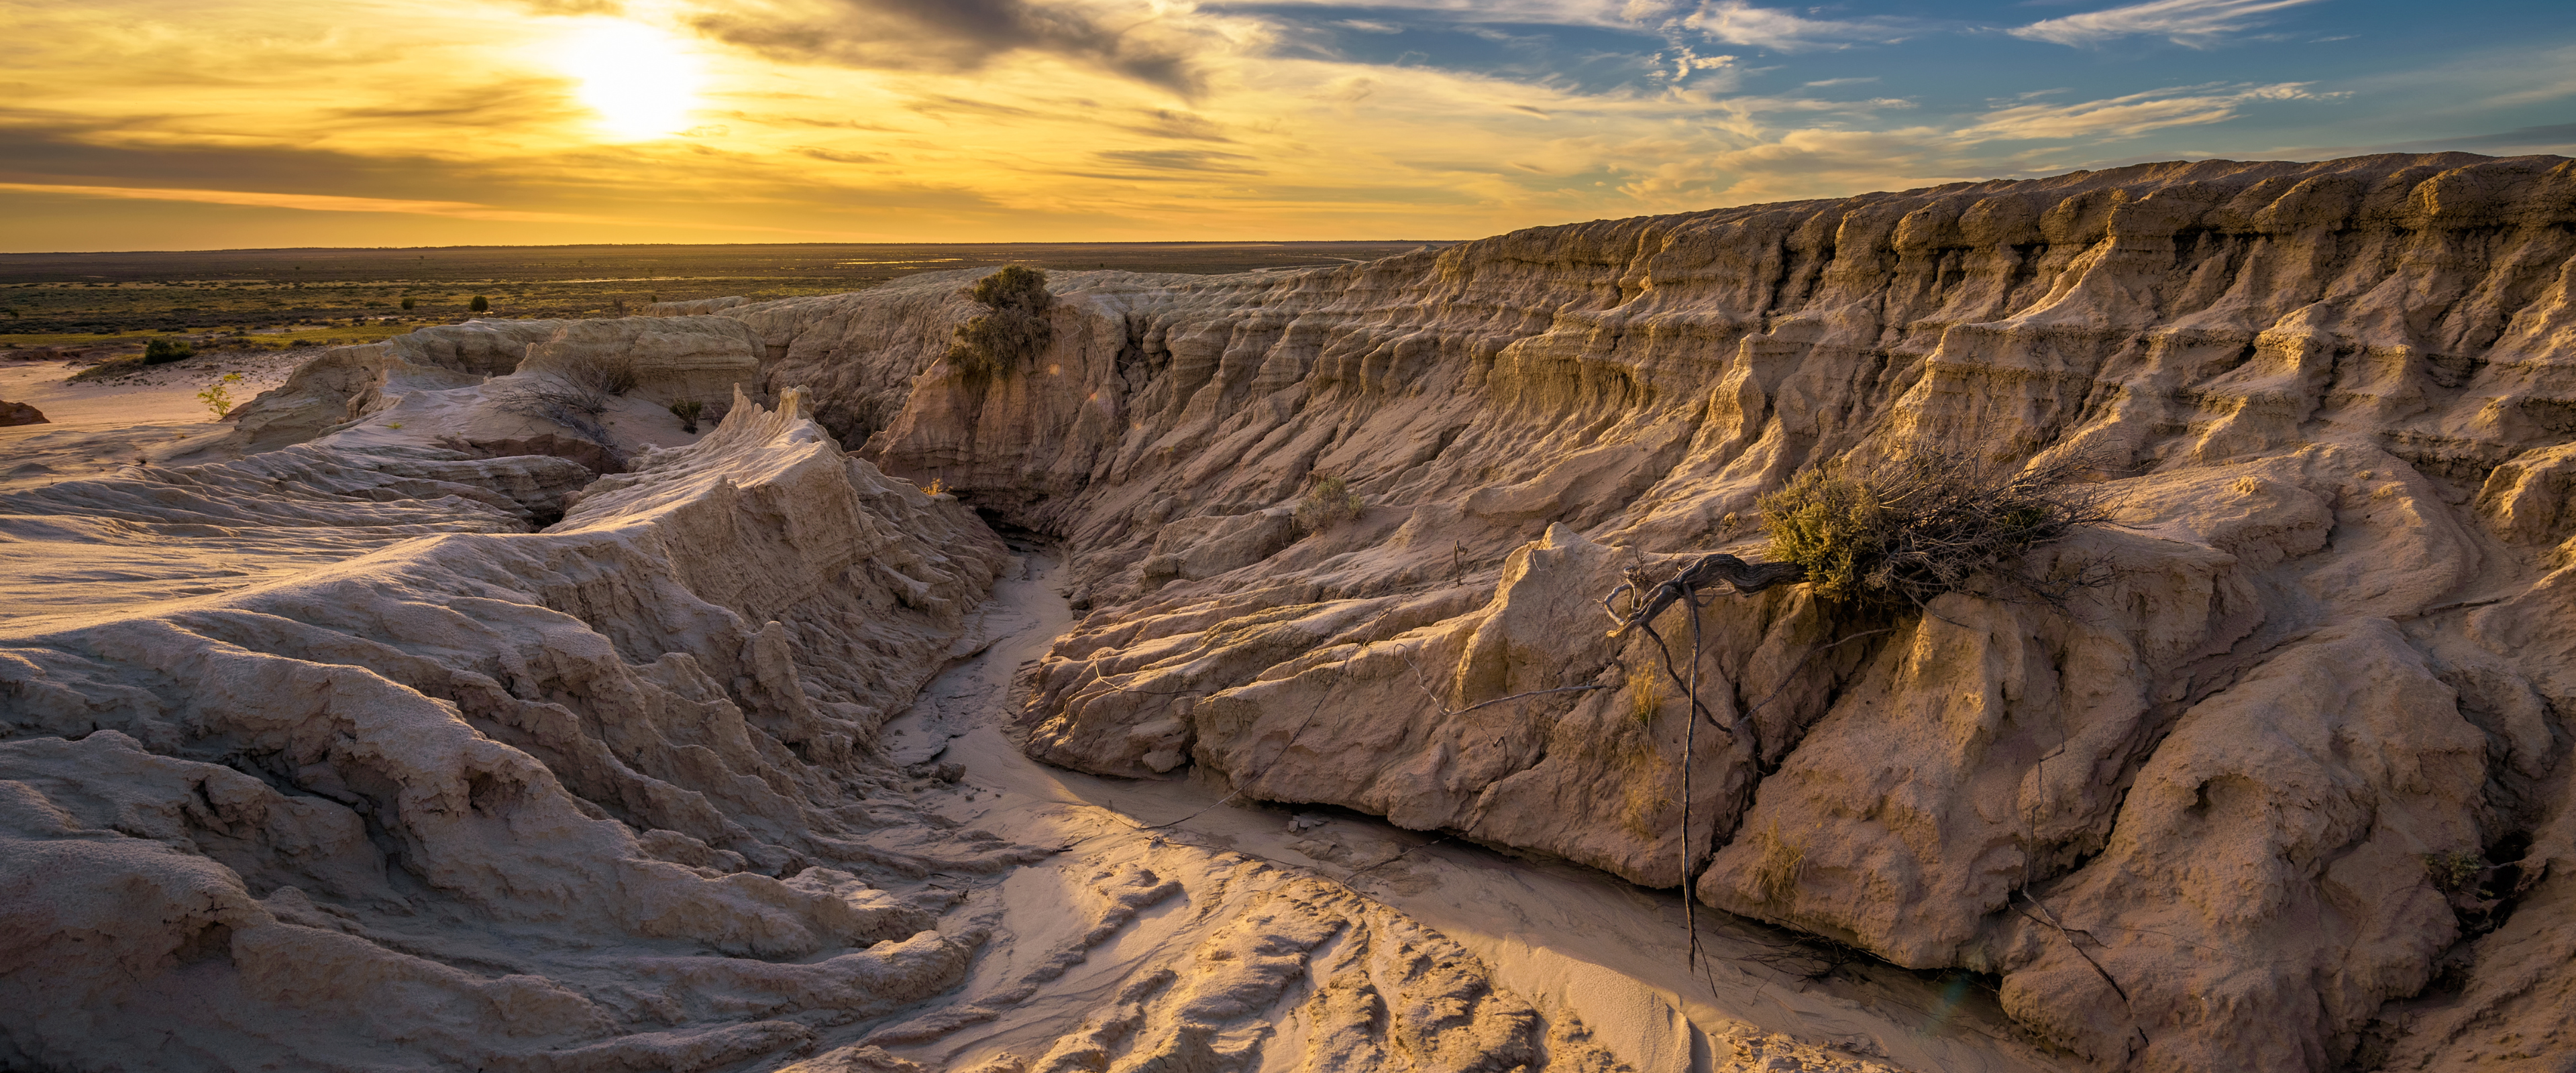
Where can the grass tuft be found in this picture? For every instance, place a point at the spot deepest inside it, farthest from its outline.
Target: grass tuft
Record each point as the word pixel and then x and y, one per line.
pixel 1775 875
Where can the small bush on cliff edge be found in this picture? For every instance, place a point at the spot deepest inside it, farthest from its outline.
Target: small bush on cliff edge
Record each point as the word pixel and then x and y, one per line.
pixel 1328 501
pixel 1901 532
pixel 607 374
pixel 1011 336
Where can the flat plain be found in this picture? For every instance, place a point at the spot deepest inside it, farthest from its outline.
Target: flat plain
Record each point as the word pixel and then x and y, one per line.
pixel 356 295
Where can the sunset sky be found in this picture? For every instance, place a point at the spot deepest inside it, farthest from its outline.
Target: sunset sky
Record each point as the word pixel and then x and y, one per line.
pixel 196 124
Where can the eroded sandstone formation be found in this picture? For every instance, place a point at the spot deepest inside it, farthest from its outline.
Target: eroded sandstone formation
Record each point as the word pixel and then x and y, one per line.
pixel 2185 826
pixel 372 737
pixel 370 753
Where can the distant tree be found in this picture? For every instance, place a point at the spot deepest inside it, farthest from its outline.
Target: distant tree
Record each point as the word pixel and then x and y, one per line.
pixel 1014 332
pixel 406 302
pixel 480 304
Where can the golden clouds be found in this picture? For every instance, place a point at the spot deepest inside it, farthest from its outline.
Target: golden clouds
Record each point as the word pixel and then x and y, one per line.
pixel 953 120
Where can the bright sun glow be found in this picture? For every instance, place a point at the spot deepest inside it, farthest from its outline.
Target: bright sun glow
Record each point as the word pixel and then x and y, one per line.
pixel 640 80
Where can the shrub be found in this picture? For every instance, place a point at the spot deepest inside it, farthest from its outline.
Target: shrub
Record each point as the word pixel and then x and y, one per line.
pixel 218 396
pixel 2456 871
pixel 480 304
pixel 1013 334
pixel 107 370
pixel 165 350
pixel 571 406
pixel 406 302
pixel 687 410
pixel 1901 532
pixel 607 374
pixel 1328 500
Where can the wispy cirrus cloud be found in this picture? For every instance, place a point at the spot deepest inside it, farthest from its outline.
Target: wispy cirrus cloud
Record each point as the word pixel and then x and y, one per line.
pixel 2133 114
pixel 1738 23
pixel 2191 23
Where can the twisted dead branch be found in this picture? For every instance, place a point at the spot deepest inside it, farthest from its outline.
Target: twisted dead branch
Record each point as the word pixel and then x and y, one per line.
pixel 1647 604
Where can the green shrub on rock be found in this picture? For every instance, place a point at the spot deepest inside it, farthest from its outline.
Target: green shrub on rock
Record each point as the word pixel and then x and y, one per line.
pixel 1903 531
pixel 1013 334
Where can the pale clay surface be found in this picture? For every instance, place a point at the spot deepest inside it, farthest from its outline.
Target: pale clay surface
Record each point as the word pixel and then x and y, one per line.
pixel 313 744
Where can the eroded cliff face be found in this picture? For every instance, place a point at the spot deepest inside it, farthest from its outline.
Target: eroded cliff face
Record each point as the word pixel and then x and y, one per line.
pixel 2184 825
pixel 495 793
pixel 369 753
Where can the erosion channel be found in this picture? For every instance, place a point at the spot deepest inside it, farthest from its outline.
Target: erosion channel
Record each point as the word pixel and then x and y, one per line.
pixel 452 706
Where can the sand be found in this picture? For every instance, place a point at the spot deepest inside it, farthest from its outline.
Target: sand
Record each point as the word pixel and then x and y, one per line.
pixel 1565 937
pixel 95 427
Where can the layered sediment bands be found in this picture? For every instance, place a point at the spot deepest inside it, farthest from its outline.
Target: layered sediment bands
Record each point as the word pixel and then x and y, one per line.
pixel 2185 822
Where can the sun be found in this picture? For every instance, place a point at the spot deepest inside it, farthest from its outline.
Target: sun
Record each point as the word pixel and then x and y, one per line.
pixel 641 81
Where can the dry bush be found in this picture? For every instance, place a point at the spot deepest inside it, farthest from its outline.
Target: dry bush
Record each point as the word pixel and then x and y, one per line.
pixel 607 374
pixel 687 410
pixel 1328 501
pixel 569 405
pixel 1775 875
pixel 1012 335
pixel 1901 532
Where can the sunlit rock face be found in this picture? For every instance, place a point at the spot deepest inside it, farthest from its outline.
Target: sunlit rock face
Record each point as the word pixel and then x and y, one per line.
pixel 370 752
pixel 419 773
pixel 2185 823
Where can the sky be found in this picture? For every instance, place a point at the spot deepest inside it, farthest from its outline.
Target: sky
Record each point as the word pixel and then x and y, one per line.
pixel 211 124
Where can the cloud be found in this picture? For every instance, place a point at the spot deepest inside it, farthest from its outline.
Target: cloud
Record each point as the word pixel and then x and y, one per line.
pixel 1368 26
pixel 947 36
pixel 2194 23
pixel 498 104
pixel 838 157
pixel 2131 115
pixel 2556 137
pixel 311 202
pixel 1192 160
pixel 1182 126
pixel 1740 23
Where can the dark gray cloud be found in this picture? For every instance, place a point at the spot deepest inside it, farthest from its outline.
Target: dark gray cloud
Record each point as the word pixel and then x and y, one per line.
pixel 1180 126
pixel 945 35
pixel 838 157
pixel 1203 161
pixel 934 105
